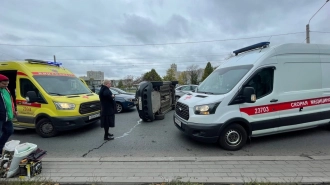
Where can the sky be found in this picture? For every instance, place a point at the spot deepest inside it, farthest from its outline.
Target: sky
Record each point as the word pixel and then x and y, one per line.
pixel 130 37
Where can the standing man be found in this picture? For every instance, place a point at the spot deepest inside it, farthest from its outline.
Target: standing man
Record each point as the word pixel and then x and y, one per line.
pixel 108 109
pixel 7 112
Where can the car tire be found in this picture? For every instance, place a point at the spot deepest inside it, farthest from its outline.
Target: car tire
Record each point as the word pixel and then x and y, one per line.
pixel 233 137
pixel 119 107
pixel 45 128
pixel 159 117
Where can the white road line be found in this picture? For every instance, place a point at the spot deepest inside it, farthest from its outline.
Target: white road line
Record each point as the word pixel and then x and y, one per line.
pixel 127 133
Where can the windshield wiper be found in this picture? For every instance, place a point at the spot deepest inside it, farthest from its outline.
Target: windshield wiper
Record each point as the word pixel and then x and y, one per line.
pixel 205 92
pixel 56 94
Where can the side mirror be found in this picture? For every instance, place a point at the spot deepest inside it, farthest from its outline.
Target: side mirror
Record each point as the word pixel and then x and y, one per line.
pixel 249 95
pixel 31 97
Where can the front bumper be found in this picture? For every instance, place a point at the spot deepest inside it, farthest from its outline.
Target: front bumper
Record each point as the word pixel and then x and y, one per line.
pixel 201 132
pixel 128 105
pixel 73 122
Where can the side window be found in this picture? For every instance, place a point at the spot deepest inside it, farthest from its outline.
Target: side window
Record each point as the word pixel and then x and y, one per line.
pixel 26 85
pixel 262 82
pixel 186 88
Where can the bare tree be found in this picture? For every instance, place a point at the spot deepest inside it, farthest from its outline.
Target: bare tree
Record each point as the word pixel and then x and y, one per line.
pixel 128 81
pixel 193 73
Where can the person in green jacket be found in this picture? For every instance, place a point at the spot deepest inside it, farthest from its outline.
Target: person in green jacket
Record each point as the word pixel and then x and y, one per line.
pixel 7 112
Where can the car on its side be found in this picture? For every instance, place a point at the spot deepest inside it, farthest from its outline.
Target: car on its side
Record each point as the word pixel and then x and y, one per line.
pixel 123 101
pixel 184 89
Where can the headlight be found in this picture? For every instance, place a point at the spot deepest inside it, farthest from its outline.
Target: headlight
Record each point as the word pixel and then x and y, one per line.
pixel 129 99
pixel 206 109
pixel 64 106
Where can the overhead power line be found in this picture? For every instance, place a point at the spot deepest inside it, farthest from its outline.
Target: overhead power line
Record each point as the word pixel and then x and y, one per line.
pixel 151 44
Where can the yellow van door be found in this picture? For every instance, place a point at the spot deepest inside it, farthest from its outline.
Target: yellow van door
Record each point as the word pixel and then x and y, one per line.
pixel 26 111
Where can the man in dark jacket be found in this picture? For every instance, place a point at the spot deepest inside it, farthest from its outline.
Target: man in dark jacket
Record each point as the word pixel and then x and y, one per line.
pixel 108 109
pixel 7 112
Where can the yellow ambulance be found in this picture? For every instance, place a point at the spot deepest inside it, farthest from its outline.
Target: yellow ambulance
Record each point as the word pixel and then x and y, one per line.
pixel 49 98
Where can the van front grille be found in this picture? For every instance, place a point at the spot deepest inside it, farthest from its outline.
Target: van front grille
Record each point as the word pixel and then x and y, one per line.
pixel 89 107
pixel 182 110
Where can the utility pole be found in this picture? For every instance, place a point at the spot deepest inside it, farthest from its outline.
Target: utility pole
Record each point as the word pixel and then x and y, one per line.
pixel 54 58
pixel 307 26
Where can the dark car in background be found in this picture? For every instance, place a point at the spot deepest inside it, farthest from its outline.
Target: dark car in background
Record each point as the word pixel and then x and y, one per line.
pixel 123 101
pixel 120 91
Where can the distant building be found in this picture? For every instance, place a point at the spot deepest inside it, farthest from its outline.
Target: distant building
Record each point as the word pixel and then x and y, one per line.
pixel 95 77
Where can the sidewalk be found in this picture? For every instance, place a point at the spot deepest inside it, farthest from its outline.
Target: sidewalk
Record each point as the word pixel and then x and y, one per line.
pixel 231 169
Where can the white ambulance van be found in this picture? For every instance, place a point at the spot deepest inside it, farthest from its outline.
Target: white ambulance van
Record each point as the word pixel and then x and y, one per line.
pixel 262 90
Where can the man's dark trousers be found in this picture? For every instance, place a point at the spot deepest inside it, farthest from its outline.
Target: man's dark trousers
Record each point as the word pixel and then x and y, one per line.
pixel 6 130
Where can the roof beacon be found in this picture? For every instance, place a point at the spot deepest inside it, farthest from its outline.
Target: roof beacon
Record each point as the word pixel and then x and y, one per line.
pixel 34 61
pixel 260 45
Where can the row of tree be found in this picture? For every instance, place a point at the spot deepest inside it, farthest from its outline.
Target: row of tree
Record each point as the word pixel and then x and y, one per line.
pixel 190 76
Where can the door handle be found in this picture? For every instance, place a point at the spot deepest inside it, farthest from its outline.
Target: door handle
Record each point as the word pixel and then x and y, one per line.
pixel 274 100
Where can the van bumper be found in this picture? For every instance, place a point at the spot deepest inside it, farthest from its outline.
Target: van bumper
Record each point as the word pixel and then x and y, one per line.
pixel 201 132
pixel 73 122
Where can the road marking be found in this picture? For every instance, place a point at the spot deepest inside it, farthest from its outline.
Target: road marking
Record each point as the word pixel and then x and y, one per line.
pixel 127 133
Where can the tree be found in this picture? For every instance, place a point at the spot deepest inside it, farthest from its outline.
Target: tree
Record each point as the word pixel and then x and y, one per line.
pixel 152 76
pixel 193 73
pixel 120 84
pixel 207 71
pixel 183 78
pixel 138 79
pixel 170 75
pixel 128 81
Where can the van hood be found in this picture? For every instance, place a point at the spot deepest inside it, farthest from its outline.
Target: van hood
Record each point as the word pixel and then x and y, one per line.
pixel 193 99
pixel 76 99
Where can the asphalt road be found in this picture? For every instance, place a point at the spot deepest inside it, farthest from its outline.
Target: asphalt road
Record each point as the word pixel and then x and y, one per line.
pixel 135 138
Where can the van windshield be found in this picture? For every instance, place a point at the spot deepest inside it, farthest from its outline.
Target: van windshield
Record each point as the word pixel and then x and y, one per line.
pixel 223 80
pixel 62 85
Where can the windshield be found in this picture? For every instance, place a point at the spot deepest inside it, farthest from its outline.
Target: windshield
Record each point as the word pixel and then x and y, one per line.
pixel 223 80
pixel 62 85
pixel 114 92
pixel 119 90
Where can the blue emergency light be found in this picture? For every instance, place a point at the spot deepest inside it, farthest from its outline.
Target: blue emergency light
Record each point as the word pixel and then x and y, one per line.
pixel 252 47
pixel 54 63
pixel 34 61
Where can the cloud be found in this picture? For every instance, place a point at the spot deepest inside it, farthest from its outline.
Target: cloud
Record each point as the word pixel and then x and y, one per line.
pixel 128 22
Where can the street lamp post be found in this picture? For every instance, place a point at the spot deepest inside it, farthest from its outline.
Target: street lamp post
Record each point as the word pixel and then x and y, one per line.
pixel 307 26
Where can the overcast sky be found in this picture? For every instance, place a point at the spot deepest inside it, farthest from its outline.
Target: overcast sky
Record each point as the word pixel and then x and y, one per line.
pixel 128 26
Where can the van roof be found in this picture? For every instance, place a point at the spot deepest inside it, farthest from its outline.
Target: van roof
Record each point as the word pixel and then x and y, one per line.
pixel 251 54
pixel 39 67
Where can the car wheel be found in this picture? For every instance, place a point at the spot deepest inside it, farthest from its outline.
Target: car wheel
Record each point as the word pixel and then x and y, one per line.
pixel 119 107
pixel 233 137
pixel 45 128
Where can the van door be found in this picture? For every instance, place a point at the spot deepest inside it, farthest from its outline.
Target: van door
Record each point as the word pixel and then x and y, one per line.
pixel 262 115
pixel 325 113
pixel 301 85
pixel 26 111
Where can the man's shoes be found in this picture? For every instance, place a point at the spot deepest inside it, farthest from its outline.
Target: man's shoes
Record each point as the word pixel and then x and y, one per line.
pixel 109 134
pixel 109 138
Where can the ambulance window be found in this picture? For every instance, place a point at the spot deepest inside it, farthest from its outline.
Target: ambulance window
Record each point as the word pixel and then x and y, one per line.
pixel 262 82
pixel 26 85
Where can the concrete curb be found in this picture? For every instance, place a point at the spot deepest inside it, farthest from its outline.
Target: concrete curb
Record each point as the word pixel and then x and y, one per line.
pixel 188 159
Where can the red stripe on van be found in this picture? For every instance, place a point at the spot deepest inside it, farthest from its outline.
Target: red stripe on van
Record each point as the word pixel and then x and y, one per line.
pixel 24 103
pixel 263 109
pixel 21 73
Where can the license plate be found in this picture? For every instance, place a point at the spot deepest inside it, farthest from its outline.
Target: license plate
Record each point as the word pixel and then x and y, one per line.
pixel 177 122
pixel 94 116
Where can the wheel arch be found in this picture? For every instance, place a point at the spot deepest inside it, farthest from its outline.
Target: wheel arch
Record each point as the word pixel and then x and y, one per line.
pixel 241 121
